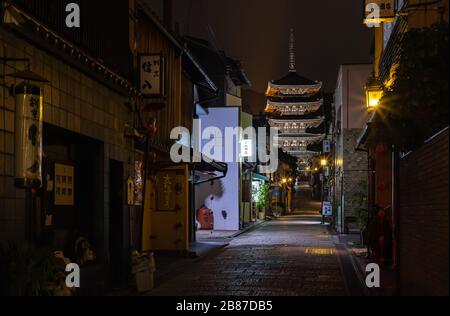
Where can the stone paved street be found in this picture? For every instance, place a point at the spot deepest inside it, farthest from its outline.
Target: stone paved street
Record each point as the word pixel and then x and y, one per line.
pixel 290 256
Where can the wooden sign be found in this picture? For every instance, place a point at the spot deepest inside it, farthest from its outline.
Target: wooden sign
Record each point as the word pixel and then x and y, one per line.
pixel 152 76
pixel 166 190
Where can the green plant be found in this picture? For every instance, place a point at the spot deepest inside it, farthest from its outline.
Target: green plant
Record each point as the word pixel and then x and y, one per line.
pixel 360 207
pixel 25 270
pixel 262 197
pixel 415 106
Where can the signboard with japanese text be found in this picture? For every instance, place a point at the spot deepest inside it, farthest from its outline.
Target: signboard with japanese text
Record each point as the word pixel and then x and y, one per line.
pixel 64 184
pixel 165 223
pixel 327 209
pixel 152 76
pixel 28 136
pixel 166 190
pixel 379 11
pixel 246 148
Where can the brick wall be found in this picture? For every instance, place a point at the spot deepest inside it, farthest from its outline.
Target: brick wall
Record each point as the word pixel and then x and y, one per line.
pixel 423 220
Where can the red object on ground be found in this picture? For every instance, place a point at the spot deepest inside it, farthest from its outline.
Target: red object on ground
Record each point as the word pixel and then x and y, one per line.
pixel 205 217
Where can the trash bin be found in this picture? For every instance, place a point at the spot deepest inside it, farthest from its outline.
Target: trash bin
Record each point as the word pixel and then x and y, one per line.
pixel 143 268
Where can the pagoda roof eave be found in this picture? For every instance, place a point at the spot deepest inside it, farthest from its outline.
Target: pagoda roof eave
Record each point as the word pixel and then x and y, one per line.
pixel 304 153
pixel 294 102
pixel 317 86
pixel 283 121
pixel 294 79
pixel 287 136
pixel 278 91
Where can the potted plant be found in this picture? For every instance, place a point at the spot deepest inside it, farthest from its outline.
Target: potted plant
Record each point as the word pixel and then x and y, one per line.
pixel 26 270
pixel 262 200
pixel 360 209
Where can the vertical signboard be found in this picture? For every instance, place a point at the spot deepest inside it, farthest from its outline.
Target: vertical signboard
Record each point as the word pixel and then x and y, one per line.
pixel 64 184
pixel 166 190
pixel 166 217
pixel 327 209
pixel 151 77
pixel 28 136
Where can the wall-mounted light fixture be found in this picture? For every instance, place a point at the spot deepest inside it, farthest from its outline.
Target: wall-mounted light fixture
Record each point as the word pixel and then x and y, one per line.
pixel 374 93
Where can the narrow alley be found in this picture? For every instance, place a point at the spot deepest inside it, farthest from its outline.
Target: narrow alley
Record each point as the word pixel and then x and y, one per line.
pixel 224 148
pixel 289 256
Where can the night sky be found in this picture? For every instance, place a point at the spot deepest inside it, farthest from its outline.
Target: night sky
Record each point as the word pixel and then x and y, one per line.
pixel 328 33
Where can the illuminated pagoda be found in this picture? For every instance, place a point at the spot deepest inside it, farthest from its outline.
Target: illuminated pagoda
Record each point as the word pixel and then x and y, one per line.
pixel 294 104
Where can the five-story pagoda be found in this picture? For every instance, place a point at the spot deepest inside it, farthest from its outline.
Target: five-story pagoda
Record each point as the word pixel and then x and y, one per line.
pixel 294 104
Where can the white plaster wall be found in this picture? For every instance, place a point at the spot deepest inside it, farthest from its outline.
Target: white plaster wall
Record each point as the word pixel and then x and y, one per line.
pixel 223 194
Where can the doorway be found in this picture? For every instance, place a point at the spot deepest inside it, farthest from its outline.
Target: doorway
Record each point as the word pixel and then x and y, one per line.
pixel 116 221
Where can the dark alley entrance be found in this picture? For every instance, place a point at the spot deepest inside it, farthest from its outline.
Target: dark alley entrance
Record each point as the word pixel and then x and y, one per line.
pixel 303 200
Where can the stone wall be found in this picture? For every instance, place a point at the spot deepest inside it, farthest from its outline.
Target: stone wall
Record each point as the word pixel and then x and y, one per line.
pixel 355 168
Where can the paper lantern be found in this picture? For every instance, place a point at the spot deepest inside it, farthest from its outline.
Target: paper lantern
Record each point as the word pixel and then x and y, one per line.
pixel 28 136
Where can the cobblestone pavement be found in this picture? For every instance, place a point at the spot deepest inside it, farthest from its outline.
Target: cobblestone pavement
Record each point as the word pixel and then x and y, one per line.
pixel 291 256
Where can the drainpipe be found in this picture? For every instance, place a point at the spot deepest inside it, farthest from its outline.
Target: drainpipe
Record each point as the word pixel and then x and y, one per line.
pixel 395 205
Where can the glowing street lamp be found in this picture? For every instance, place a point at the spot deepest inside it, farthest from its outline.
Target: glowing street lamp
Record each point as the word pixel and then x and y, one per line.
pixel 374 93
pixel 324 162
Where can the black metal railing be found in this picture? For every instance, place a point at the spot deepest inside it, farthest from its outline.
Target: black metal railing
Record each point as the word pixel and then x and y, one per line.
pixel 391 54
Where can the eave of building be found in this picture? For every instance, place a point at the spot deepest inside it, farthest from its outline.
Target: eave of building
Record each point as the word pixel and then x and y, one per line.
pixel 307 122
pixel 48 40
pixel 364 135
pixel 159 25
pixel 302 154
pixel 298 104
pixel 312 138
pixel 207 82
pixel 283 108
pixel 274 90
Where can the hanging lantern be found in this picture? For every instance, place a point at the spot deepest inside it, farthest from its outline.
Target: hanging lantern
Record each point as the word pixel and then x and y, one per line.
pixel 28 136
pixel 374 93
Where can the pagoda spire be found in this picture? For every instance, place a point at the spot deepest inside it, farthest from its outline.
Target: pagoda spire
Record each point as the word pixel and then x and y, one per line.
pixel 292 67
